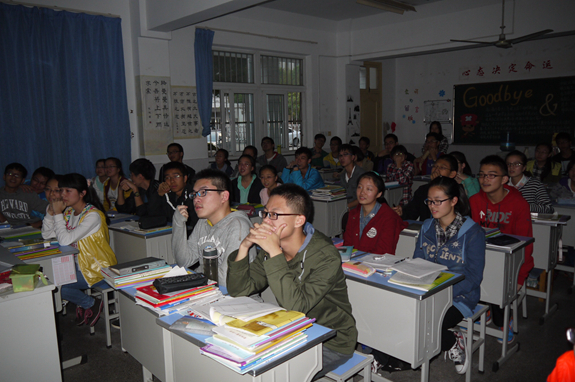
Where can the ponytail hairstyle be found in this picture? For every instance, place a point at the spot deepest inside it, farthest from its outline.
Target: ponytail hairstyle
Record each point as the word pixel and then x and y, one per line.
pixel 79 183
pixel 548 162
pixel 453 189
pixel 461 159
pixel 376 179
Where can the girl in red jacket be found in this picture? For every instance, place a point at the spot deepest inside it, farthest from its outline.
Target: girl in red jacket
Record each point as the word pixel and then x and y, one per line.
pixel 372 225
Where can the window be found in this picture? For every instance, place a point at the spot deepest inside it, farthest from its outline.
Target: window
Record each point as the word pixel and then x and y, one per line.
pixel 245 108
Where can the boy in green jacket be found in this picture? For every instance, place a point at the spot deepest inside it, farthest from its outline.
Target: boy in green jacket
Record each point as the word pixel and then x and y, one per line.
pixel 302 268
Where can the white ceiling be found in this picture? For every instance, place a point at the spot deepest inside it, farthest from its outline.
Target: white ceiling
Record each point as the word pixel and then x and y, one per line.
pixel 335 10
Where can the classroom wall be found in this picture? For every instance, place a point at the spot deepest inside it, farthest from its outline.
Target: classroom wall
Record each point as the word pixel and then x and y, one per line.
pixel 433 74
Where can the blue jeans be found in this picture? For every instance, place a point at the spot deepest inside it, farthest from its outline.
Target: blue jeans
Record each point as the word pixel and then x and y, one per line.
pixel 74 292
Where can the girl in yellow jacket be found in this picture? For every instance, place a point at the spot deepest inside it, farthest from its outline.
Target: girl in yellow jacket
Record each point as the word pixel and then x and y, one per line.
pixel 76 217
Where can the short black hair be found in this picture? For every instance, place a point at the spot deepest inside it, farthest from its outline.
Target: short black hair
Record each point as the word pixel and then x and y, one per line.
pixel 563 135
pixel 358 153
pixel 175 166
pixel 318 136
pixel 145 167
pixel 434 135
pixel 224 151
pixel 253 148
pixel 296 198
pixel 180 148
pixel 451 160
pixel 347 147
pixel 44 171
pixel 337 139
pixel 495 160
pixel 250 158
pixel 219 179
pixel 399 149
pixel 18 167
pixel 392 136
pixel 103 160
pixel 365 139
pixel 378 182
pixel 268 139
pixel 304 150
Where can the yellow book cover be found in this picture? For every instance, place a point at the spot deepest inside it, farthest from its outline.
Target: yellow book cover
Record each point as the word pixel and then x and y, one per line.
pixel 263 347
pixel 264 324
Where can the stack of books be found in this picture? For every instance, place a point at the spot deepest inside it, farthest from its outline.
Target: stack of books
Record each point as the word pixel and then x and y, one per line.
pixel 172 302
pixel 243 345
pixel 490 232
pixel 115 280
pixel 34 248
pixel 329 192
pixel 419 274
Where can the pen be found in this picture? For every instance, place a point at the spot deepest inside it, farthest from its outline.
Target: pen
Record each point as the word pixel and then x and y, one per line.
pixel 399 261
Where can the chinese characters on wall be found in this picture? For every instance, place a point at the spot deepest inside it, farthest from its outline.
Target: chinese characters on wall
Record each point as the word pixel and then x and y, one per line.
pixel 186 117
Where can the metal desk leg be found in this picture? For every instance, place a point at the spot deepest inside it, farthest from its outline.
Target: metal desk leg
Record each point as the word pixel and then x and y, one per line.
pixel 505 353
pixel 148 376
pixel 548 311
pixel 425 371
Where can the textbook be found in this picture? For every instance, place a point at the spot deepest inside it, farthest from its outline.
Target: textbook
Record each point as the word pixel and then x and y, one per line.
pixel 380 262
pixel 358 268
pixel 425 283
pixel 418 267
pixel 265 324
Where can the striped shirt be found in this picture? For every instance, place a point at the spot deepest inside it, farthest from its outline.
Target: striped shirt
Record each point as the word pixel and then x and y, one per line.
pixel 535 194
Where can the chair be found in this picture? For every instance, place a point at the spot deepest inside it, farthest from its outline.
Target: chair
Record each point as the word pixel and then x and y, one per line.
pixel 354 365
pixel 104 294
pixel 475 341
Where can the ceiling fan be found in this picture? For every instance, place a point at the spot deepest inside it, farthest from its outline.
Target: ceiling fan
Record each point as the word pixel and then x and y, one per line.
pixel 504 42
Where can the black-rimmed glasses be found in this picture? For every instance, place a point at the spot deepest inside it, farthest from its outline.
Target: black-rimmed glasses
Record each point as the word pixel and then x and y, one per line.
pixel 273 215
pixel 429 202
pixel 488 176
pixel 202 193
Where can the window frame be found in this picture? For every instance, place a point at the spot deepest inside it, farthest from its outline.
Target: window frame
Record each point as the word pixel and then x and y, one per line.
pixel 259 92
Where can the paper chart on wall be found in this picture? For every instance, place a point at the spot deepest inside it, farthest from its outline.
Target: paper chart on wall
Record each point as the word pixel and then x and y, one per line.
pixel 156 114
pixel 186 116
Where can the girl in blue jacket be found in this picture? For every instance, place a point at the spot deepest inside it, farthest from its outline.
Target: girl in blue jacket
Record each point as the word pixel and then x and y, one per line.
pixel 453 239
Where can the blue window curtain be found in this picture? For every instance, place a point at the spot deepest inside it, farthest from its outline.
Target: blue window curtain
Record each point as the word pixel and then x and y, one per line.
pixel 204 75
pixel 62 90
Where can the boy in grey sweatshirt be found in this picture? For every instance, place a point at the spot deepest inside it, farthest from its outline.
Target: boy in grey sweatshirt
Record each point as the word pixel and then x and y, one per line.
pixel 217 226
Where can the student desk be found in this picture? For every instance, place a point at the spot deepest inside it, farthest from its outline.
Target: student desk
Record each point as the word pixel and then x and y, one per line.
pixel 13 234
pixel 499 285
pixel 130 245
pixel 547 234
pixel 117 217
pixel 568 238
pixel 182 353
pixel 328 215
pixel 402 322
pixel 174 356
pixel 29 350
pixel 393 194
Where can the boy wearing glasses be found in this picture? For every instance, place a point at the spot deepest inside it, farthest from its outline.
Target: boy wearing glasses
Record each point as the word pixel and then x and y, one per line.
pixel 176 154
pixel 174 191
pixel 218 226
pixel 425 163
pixel 302 268
pixel 498 205
pixel 350 174
pixel 16 206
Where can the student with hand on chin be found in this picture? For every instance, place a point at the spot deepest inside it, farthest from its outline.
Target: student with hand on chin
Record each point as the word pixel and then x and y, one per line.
pixel 175 191
pixel 300 171
pixel 302 268
pixel 217 226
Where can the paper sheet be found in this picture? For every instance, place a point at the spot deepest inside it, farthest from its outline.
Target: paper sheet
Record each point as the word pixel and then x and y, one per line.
pixel 64 270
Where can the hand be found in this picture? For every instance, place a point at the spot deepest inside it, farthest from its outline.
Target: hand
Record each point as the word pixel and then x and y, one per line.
pixel 398 209
pixel 58 206
pixel 460 177
pixel 183 210
pixel 26 188
pixel 398 161
pixel 37 225
pixel 519 286
pixel 291 164
pixel 316 155
pixel 383 153
pixel 163 189
pixel 127 185
pixel 50 210
pixel 266 236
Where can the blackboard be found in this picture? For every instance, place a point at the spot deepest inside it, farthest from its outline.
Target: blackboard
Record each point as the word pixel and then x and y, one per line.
pixel 532 110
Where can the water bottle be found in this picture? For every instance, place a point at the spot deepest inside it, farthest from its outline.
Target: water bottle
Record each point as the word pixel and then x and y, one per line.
pixel 210 260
